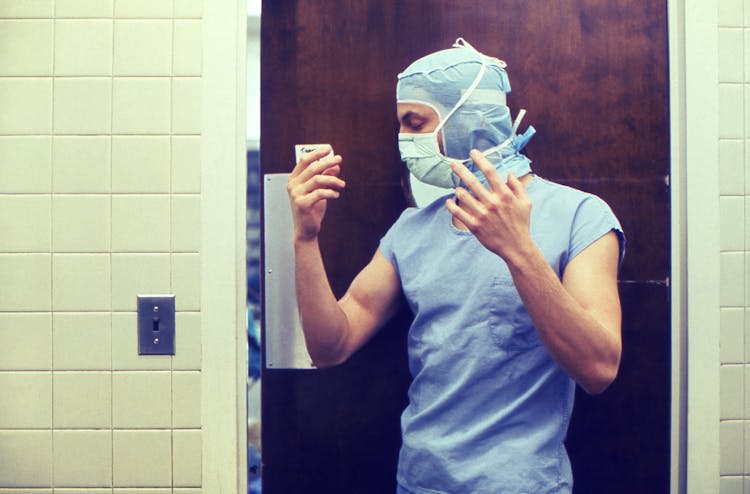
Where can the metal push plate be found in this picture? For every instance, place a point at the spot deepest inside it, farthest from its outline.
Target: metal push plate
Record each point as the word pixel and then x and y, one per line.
pixel 284 341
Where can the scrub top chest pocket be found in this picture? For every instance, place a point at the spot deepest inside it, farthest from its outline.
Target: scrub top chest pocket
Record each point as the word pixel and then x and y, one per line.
pixel 509 322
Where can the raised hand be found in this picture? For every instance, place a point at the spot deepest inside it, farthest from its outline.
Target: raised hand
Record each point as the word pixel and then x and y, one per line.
pixel 498 216
pixel 312 182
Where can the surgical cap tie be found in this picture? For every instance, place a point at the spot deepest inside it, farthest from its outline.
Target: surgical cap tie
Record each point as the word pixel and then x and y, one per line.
pixel 462 43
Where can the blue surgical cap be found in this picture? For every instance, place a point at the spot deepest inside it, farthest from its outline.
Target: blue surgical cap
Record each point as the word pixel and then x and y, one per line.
pixel 440 79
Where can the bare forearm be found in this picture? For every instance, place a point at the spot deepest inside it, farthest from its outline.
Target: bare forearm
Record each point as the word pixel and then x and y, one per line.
pixel 582 345
pixel 323 322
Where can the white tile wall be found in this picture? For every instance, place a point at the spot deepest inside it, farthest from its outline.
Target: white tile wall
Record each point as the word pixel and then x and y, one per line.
pixel 25 164
pixel 36 56
pixel 27 9
pixel 83 47
pixel 141 105
pixel 140 223
pixel 143 8
pixel 81 223
pixel 134 274
pixel 83 8
pixel 26 458
pixel 100 138
pixel 186 171
pixel 83 105
pixel 186 107
pixel 25 341
pixel 29 232
pixel 82 458
pixel 138 458
pixel 143 48
pixel 188 8
pixel 81 164
pixel 188 48
pixel 27 282
pixel 734 201
pixel 141 164
pixel 27 106
pixel 73 406
pixel 31 406
pixel 82 341
pixel 141 400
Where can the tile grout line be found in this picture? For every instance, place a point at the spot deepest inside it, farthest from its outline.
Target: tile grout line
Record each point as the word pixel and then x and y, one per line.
pixel 744 267
pixel 171 252
pixel 743 392
pixel 52 254
pixel 111 274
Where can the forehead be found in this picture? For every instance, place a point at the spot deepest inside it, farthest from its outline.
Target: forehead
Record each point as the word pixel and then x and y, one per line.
pixel 419 110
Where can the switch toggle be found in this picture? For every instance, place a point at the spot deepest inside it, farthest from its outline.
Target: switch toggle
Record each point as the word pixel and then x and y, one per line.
pixel 156 324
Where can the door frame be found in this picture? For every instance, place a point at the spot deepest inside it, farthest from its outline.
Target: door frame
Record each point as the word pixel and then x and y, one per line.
pixel 695 278
pixel 223 248
pixel 693 42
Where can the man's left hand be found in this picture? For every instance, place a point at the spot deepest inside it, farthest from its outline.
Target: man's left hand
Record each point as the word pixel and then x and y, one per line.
pixel 498 216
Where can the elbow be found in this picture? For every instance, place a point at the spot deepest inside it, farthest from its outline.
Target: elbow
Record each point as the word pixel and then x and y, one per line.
pixel 324 363
pixel 323 360
pixel 326 353
pixel 603 371
pixel 600 378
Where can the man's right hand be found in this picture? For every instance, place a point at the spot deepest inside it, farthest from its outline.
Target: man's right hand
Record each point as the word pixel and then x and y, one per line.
pixel 312 182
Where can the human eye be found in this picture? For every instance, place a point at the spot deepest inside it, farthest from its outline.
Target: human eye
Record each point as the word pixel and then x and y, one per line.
pixel 415 123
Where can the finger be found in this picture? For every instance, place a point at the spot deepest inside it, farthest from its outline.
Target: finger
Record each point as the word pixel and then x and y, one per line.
pixel 469 203
pixel 322 182
pixel 517 187
pixel 460 214
pixel 471 182
pixel 487 169
pixel 318 167
pixel 305 195
pixel 334 170
pixel 309 200
pixel 298 189
pixel 307 158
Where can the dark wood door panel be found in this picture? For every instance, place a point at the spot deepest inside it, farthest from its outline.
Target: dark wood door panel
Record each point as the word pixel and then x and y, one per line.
pixel 593 77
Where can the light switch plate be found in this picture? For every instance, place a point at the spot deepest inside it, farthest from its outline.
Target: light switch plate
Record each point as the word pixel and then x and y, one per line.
pixel 156 324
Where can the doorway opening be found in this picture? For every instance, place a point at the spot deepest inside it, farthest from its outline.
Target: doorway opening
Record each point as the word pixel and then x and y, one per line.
pixel 253 248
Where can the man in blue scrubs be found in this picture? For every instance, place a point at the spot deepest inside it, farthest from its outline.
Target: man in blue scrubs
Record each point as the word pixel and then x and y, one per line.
pixel 512 281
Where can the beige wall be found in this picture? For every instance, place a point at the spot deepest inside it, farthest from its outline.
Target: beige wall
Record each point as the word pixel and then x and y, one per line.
pixel 100 182
pixel 734 190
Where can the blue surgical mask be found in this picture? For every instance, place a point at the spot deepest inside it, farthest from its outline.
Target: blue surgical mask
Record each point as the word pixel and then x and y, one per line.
pixel 422 156
pixel 421 153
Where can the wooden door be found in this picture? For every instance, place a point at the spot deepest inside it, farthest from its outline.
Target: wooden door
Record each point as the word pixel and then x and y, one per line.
pixel 593 76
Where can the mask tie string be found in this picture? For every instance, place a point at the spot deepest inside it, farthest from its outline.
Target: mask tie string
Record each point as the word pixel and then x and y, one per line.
pixel 511 138
pixel 462 43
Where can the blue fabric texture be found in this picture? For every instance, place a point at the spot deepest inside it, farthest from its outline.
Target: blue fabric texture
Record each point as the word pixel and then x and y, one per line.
pixel 488 407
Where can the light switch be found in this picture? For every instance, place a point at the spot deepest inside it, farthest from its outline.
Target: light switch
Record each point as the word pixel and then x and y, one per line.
pixel 156 324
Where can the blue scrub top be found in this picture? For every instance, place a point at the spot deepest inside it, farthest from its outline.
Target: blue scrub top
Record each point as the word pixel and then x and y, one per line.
pixel 488 407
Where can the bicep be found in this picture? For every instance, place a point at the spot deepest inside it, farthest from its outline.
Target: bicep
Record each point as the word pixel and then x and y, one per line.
pixel 591 279
pixel 370 301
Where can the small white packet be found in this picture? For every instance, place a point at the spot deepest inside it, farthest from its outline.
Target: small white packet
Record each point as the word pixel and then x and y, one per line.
pixel 300 149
